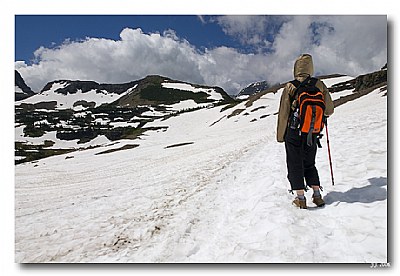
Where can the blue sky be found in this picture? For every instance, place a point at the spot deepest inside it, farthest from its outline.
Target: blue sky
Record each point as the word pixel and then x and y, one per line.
pixel 33 31
pixel 230 51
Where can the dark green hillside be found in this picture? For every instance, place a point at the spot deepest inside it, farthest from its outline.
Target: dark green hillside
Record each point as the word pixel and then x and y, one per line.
pixel 155 93
pixel 150 91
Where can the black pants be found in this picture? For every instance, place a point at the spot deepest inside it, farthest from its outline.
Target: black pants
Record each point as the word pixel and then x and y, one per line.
pixel 300 160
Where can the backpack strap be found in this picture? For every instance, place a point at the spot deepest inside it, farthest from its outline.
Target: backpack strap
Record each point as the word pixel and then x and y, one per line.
pixel 295 83
pixel 298 84
pixel 313 81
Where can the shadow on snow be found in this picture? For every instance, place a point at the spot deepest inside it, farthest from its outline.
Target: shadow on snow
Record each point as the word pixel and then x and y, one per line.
pixel 368 194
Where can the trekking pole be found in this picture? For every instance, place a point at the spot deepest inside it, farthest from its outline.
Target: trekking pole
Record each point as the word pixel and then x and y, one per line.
pixel 329 150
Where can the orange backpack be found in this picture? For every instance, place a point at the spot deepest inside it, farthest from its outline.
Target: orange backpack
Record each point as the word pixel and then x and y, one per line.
pixel 310 105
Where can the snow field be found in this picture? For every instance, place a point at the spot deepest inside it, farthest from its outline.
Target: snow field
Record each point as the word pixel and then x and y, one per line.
pixel 222 198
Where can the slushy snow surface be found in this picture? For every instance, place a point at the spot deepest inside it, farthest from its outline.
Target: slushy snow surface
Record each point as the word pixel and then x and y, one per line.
pixel 221 196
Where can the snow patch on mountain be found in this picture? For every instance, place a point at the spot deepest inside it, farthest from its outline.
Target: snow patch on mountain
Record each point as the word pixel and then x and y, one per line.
pixel 187 87
pixel 69 100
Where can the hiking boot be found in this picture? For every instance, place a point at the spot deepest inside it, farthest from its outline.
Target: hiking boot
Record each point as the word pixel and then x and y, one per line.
pixel 317 200
pixel 301 203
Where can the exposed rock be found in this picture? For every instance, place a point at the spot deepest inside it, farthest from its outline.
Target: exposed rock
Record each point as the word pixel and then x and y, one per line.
pixel 86 86
pixel 25 92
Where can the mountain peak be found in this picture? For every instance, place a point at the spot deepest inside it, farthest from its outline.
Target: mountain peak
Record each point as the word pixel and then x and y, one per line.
pixel 22 90
pixel 150 90
pixel 156 90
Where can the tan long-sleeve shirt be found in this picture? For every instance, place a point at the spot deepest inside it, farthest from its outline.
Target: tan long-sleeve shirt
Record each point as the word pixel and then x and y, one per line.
pixel 302 69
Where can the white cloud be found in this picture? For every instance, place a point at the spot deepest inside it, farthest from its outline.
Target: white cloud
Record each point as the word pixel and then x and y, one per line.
pixel 339 44
pixel 132 57
pixel 137 55
pixel 254 30
pixel 231 69
pixel 357 45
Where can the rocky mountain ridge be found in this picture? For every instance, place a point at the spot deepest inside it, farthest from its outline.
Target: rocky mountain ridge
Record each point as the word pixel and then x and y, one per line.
pixel 151 90
pixel 72 87
pixel 22 90
pixel 253 88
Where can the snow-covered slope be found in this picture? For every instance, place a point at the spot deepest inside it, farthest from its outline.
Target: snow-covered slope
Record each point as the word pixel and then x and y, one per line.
pixel 72 100
pixel 213 95
pixel 211 188
pixel 79 94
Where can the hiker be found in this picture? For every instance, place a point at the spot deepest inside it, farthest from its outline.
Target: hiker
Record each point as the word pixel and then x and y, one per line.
pixel 301 147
